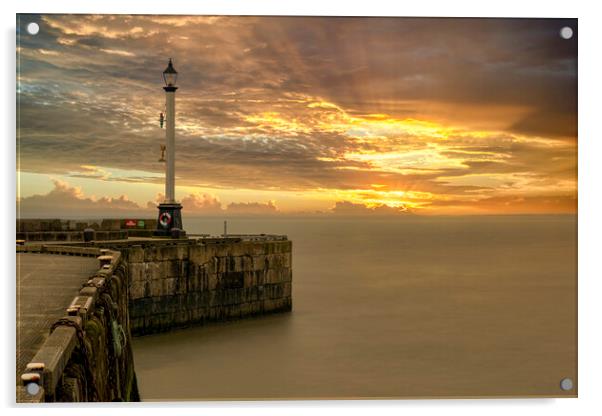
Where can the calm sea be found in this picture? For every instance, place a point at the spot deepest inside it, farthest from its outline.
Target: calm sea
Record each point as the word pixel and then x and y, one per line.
pixel 390 307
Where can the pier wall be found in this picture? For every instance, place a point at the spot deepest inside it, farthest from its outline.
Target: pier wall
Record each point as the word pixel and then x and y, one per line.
pixel 43 230
pixel 190 284
pixel 88 354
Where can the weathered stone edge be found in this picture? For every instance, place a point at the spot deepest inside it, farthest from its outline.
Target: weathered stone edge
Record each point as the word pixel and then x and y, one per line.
pixel 59 249
pixel 50 360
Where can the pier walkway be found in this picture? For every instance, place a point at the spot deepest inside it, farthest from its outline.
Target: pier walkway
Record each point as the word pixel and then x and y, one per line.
pixel 46 285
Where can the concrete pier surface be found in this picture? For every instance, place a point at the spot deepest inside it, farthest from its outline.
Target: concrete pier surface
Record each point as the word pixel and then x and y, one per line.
pixel 46 284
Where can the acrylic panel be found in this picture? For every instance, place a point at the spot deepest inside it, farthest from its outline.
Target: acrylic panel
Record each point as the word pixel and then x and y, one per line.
pixel 287 207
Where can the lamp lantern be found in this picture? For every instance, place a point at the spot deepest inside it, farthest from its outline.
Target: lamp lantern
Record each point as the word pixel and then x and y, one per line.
pixel 170 75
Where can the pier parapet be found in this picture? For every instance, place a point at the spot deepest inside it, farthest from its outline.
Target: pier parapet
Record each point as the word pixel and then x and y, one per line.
pixel 88 354
pixel 45 230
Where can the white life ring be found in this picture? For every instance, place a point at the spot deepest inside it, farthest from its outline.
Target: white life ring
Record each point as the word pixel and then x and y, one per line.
pixel 165 219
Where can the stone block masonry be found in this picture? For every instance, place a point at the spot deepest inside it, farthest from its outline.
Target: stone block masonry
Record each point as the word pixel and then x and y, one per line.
pixel 192 283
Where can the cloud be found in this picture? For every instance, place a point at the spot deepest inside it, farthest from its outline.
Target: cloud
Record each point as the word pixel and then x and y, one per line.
pixel 118 52
pixel 204 203
pixel 68 201
pixel 194 203
pixel 90 172
pixel 252 208
pixel 201 203
pixel 351 208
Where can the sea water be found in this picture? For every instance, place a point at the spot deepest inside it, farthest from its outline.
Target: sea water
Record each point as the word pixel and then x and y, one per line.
pixel 407 306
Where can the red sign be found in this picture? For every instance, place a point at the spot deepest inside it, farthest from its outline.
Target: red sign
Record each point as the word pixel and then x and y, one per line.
pixel 131 223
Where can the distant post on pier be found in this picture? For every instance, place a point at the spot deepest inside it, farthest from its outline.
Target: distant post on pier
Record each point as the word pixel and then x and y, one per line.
pixel 169 223
pixel 225 228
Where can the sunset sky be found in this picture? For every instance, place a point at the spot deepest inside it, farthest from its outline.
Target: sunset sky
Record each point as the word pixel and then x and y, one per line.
pixel 299 115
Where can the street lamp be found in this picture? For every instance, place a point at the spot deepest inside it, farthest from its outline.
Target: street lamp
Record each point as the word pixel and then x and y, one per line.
pixel 170 216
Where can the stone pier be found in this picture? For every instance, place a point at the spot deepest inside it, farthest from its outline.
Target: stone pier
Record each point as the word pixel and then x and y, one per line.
pixel 134 286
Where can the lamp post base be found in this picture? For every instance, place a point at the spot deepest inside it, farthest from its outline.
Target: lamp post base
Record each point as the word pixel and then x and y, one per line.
pixel 169 222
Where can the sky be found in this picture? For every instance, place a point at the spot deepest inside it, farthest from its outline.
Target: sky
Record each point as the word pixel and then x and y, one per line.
pixel 298 115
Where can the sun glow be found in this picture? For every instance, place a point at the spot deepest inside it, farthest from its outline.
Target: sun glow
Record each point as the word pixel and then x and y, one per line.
pixel 324 116
pixel 379 196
